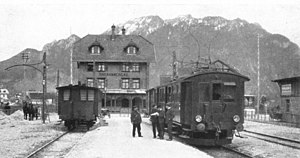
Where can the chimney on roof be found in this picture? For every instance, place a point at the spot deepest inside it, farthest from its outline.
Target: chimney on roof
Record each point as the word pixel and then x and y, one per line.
pixel 123 31
pixel 113 34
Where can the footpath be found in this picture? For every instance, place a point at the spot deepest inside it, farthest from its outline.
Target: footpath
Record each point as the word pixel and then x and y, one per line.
pixel 116 141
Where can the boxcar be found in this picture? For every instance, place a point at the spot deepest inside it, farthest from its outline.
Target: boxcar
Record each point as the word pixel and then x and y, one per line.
pixel 77 105
pixel 208 105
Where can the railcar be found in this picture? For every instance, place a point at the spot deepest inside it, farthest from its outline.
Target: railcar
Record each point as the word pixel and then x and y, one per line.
pixel 78 105
pixel 208 105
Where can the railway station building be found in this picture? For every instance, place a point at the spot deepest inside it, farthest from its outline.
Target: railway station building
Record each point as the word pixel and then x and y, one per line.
pixel 118 64
pixel 290 98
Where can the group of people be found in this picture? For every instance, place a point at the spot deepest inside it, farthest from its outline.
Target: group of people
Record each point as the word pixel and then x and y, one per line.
pixel 158 118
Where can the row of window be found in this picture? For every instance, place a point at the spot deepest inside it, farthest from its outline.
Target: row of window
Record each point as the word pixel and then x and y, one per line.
pixel 85 95
pixel 125 83
pixel 102 67
pixel 227 93
pixel 98 50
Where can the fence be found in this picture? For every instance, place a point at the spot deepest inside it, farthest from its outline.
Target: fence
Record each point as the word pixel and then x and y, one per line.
pixel 291 120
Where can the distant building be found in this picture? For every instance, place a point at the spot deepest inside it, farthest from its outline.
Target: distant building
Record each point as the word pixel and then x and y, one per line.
pixel 36 97
pixel 290 98
pixel 116 64
pixel 4 95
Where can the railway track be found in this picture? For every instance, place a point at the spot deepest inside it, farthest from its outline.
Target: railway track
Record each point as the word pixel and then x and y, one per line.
pixel 273 139
pixel 57 147
pixel 234 150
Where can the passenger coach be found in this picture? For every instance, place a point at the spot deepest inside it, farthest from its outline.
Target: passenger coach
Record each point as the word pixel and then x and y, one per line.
pixel 209 105
pixel 78 105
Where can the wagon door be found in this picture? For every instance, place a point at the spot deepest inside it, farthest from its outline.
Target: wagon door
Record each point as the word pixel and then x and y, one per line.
pixel 186 103
pixel 204 98
pixel 217 105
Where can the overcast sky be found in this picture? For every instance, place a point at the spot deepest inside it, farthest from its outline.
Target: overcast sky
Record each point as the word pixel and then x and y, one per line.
pixel 32 24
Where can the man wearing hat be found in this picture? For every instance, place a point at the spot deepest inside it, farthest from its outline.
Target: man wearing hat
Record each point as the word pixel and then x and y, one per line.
pixel 136 121
pixel 154 120
pixel 169 120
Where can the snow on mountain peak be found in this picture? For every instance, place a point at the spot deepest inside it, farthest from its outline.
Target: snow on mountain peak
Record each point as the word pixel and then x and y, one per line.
pixel 147 24
pixel 151 23
pixel 182 18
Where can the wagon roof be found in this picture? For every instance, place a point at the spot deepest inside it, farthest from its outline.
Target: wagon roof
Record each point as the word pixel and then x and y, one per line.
pixel 218 72
pixel 217 66
pixel 76 86
pixel 287 79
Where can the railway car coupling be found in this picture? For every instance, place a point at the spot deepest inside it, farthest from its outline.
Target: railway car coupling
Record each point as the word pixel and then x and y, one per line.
pixel 218 131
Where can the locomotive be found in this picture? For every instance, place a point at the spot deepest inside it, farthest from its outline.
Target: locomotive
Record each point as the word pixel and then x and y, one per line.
pixel 208 105
pixel 78 105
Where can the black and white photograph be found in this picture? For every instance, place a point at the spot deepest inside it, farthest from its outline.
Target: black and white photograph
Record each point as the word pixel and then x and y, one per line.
pixel 150 79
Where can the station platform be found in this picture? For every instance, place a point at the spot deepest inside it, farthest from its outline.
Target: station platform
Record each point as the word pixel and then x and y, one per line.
pixel 116 141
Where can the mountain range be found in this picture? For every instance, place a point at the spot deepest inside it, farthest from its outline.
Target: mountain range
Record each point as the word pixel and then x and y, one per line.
pixel 235 42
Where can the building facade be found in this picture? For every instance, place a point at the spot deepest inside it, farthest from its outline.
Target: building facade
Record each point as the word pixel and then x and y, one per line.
pixel 290 98
pixel 4 95
pixel 116 64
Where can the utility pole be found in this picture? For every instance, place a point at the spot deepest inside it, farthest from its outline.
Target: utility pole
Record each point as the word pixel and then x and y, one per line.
pixel 44 82
pixel 25 57
pixel 44 86
pixel 174 67
pixel 71 66
pixel 105 89
pixel 258 74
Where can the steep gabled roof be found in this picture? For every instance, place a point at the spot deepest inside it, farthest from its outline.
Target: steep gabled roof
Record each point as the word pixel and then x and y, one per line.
pixel 114 49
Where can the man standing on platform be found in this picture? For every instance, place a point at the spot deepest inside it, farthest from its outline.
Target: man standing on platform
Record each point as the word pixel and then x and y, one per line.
pixel 136 121
pixel 169 120
pixel 154 120
pixel 161 123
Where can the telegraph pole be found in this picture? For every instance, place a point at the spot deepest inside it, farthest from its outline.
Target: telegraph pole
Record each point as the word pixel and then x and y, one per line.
pixel 174 67
pixel 44 82
pixel 258 74
pixel 44 86
pixel 25 57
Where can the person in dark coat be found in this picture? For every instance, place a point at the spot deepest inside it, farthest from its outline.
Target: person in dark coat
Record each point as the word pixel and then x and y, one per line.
pixel 161 123
pixel 136 121
pixel 169 120
pixel 154 120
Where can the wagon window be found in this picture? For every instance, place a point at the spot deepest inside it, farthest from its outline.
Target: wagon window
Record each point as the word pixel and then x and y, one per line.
pixel 66 95
pixel 216 91
pixel 229 93
pixel 91 95
pixel 82 95
pixel 203 92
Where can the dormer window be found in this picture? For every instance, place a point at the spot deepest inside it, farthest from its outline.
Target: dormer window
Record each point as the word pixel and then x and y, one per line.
pixel 95 48
pixel 131 50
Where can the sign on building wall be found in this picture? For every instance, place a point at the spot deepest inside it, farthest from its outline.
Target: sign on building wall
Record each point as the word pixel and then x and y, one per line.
pixel 112 74
pixel 286 89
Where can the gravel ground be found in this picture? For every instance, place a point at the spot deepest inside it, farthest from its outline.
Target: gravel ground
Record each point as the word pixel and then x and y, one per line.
pixel 18 137
pixel 261 148
pixel 271 129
